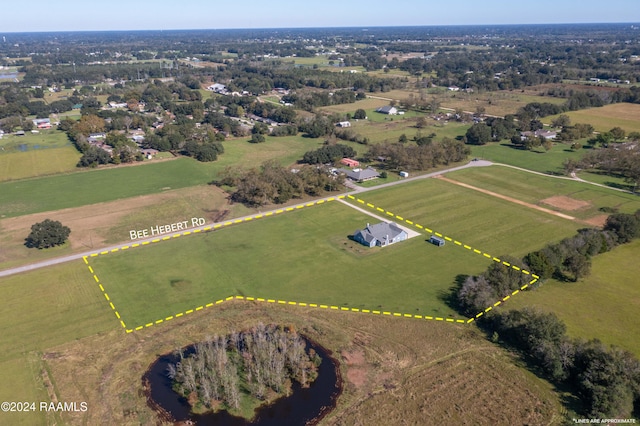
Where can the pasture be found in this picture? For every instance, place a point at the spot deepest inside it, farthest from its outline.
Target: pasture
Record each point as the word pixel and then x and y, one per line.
pixel 498 103
pixel 366 104
pixel 602 306
pixel 535 189
pixel 38 162
pixel 113 183
pixel 603 119
pixel 36 154
pixel 40 310
pixel 450 369
pixel 302 256
pixel 490 224
pixel 539 160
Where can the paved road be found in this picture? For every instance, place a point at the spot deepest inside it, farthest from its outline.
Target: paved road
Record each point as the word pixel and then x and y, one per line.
pixel 356 189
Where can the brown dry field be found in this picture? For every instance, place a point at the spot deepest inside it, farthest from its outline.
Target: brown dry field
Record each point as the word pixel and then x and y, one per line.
pixel 97 225
pixel 563 202
pixel 397 371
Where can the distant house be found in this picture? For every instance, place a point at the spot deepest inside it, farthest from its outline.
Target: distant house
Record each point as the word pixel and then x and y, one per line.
pixel 42 123
pixel 137 138
pixel 388 109
pixel 149 153
pixel 362 175
pixel 381 234
pixel 350 162
pixel 547 134
pixel 218 88
pixel 344 124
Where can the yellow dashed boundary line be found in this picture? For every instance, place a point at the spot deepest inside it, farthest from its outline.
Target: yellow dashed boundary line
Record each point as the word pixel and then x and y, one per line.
pixel 218 226
pixel 301 304
pixel 104 293
pixel 305 304
pixel 458 243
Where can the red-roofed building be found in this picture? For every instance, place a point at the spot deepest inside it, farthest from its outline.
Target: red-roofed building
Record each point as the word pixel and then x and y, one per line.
pixel 349 162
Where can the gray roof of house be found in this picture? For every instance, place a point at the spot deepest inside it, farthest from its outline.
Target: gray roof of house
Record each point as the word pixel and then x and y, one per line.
pixel 386 109
pixel 361 174
pixel 380 231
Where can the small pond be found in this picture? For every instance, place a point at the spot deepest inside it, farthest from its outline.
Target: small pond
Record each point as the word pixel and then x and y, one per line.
pixel 303 407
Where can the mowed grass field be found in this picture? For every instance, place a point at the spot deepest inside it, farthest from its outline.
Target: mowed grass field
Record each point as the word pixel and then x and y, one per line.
pixel 479 220
pixel 549 162
pixel 42 309
pixel 45 153
pixel 534 188
pixel 604 305
pixel 603 119
pixel 301 256
pixel 113 183
pixel 41 162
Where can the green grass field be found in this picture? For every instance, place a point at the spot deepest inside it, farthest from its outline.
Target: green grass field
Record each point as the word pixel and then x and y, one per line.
pixel 163 279
pixel 549 162
pixel 532 188
pixel 112 183
pixel 302 256
pixel 603 306
pixel 41 162
pixel 484 222
pixel 40 310
pixel 390 130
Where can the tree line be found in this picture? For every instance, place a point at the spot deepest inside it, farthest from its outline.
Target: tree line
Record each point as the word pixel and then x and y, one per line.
pixel 273 183
pixel 607 380
pixel 405 156
pixel 255 362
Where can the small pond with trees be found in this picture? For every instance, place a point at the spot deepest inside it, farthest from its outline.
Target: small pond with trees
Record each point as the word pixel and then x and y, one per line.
pixel 267 375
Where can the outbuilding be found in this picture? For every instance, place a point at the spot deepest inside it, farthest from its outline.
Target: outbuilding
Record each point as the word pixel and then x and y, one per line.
pixel 436 241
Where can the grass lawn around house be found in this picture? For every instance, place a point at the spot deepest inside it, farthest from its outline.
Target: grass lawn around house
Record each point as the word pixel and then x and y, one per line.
pixel 302 256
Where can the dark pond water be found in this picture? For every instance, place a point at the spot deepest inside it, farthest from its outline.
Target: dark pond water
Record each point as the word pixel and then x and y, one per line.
pixel 304 406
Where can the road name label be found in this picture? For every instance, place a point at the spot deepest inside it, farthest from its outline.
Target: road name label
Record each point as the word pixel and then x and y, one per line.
pixel 164 229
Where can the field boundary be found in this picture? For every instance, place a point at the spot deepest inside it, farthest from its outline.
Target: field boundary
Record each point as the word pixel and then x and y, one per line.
pixel 421 228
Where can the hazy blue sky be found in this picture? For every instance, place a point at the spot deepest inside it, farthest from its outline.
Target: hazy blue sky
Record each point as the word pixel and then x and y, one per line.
pixel 71 15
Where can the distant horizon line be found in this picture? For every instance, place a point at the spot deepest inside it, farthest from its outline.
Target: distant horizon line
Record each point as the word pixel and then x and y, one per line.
pixel 324 27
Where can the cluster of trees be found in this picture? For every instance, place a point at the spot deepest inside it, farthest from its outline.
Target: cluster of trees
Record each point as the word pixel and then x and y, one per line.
pixel 615 135
pixel 350 135
pixel 570 259
pixel 328 154
pixel 46 234
pixel 258 362
pixel 606 379
pixel 273 183
pixel 312 100
pixel 403 156
pixel 623 161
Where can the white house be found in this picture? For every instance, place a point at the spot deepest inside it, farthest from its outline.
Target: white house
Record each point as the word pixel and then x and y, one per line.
pixel 388 109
